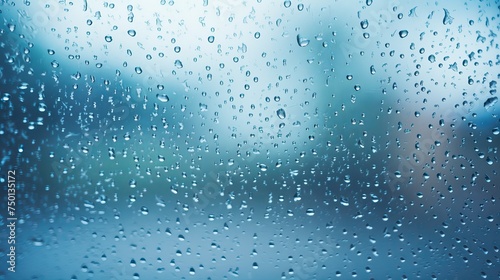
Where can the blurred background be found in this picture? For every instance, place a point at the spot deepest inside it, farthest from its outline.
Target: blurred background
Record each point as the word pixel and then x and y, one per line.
pixel 251 139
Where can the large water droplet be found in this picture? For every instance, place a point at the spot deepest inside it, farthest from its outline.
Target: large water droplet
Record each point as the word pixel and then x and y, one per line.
pixel 281 114
pixel 178 64
pixel 490 102
pixel 447 18
pixel 131 32
pixel 364 24
pixel 303 42
pixel 162 97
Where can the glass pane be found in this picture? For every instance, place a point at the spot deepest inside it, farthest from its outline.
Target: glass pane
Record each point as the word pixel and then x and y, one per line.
pixel 251 139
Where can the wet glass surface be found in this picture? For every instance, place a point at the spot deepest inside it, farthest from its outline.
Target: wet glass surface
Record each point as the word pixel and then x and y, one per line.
pixel 250 139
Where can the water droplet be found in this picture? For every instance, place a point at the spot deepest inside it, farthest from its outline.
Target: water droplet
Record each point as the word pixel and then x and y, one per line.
pixel 42 107
pixel 132 183
pixel 38 242
pixel 310 212
pixel 364 24
pixel 108 38
pixel 262 167
pixel 302 41
pixel 162 97
pixel 447 18
pixel 490 102
pixel 281 114
pixel 178 64
pixel 403 33
pixel 11 27
pixel 131 32
pixel 287 4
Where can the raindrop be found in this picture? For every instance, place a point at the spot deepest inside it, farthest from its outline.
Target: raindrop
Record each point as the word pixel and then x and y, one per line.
pixel 490 102
pixel 310 212
pixel 281 113
pixel 131 32
pixel 162 97
pixel 132 183
pixel 364 24
pixel 403 33
pixel 178 64
pixel 262 167
pixel 303 42
pixel 447 18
